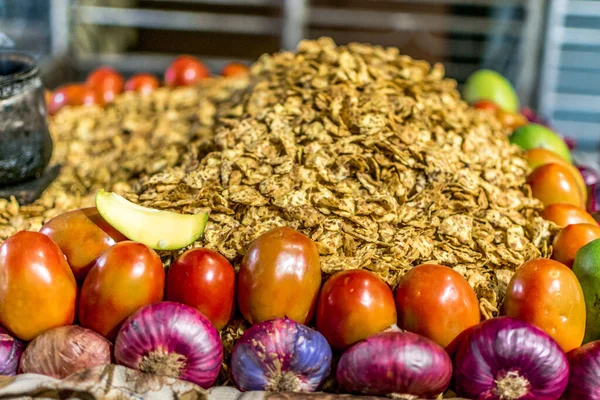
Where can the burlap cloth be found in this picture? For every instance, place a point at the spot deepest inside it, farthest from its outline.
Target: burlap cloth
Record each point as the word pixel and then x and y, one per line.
pixel 114 382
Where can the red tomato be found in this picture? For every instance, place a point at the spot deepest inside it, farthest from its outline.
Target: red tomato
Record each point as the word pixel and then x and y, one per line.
pixel 143 83
pixel 124 278
pixel 486 105
pixel 554 183
pixel 205 280
pixel 567 214
pixel 353 305
pixel 107 82
pixel 436 302
pixel 280 276
pixel 235 69
pixel 547 294
pixel 37 288
pixel 570 239
pixel 186 71
pixel 73 95
pixel 82 235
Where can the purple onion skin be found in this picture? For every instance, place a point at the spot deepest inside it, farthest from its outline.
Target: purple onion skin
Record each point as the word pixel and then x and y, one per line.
pixel 506 346
pixel 399 363
pixel 593 204
pixel 281 355
pixel 10 353
pixel 584 375
pixel 590 176
pixel 151 339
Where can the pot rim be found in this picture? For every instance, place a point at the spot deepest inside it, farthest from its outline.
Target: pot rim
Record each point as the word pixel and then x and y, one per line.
pixel 29 68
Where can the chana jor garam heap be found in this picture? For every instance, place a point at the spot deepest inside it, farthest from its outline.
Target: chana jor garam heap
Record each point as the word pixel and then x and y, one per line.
pixel 370 153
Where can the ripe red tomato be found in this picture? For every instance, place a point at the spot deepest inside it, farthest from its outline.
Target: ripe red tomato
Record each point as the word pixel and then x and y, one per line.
pixel 73 95
pixel 554 183
pixel 186 71
pixel 235 69
pixel 107 82
pixel 37 288
pixel 486 105
pixel 279 277
pixel 205 280
pixel 143 83
pixel 124 278
pixel 436 302
pixel 353 305
pixel 82 235
pixel 567 214
pixel 570 239
pixel 547 294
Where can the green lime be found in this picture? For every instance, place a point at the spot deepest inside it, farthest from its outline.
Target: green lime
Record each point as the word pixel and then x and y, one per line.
pixel 535 136
pixel 587 269
pixel 486 84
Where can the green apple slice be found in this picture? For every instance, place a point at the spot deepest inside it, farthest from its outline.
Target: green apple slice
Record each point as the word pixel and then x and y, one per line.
pixel 158 229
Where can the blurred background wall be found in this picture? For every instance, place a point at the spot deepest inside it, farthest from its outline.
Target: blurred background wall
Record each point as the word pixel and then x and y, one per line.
pixel 550 50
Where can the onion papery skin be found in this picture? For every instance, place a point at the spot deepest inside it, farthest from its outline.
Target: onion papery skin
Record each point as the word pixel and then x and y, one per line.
pixel 171 339
pixel 11 349
pixel 507 359
pixel 62 351
pixel 402 364
pixel 281 355
pixel 593 204
pixel 590 176
pixel 584 375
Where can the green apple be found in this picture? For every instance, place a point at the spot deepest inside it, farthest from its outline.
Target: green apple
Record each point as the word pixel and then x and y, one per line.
pixel 535 136
pixel 486 84
pixel 587 269
pixel 158 229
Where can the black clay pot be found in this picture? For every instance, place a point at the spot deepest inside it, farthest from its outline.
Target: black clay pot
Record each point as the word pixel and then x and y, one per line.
pixel 25 143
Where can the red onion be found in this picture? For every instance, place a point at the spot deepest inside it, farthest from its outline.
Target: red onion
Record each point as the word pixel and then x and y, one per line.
pixel 590 176
pixel 584 375
pixel 504 358
pixel 398 363
pixel 281 355
pixel 593 203
pixel 171 339
pixel 62 351
pixel 10 352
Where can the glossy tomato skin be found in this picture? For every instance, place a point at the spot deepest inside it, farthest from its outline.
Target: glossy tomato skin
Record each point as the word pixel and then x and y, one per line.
pixel 185 71
pixel 353 305
pixel 547 294
pixel 73 95
pixel 107 82
pixel 570 239
pixel 235 69
pixel 203 279
pixel 567 214
pixel 143 83
pixel 37 288
pixel 124 278
pixel 82 235
pixel 436 302
pixel 280 276
pixel 554 183
pixel 486 105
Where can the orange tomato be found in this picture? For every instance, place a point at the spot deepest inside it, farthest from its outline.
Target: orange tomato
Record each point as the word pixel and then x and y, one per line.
pixel 185 71
pixel 203 279
pixel 125 277
pixel 73 95
pixel 511 120
pixel 436 302
pixel 553 183
pixel 143 83
pixel 538 157
pixel 567 214
pixel 235 69
pixel 485 105
pixel 280 276
pixel 107 82
pixel 353 305
pixel 547 294
pixel 82 235
pixel 37 288
pixel 570 239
